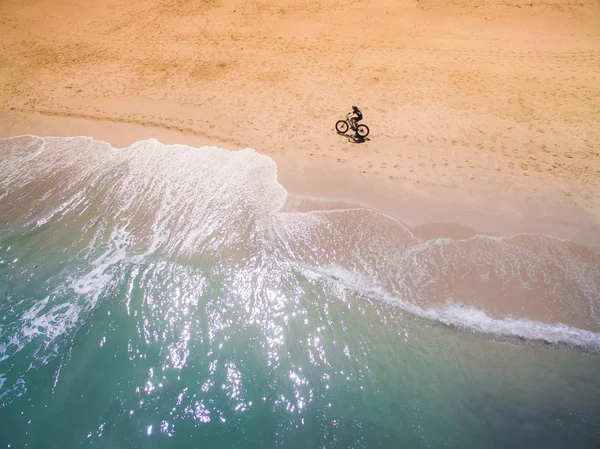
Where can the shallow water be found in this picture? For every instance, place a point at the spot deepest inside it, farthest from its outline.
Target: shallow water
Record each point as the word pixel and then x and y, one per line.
pixel 157 296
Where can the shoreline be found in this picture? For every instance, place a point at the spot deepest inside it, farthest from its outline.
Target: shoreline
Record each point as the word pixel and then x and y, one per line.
pixel 471 279
pixel 429 211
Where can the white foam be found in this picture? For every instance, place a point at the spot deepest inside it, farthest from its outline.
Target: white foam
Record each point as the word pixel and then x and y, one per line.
pixel 174 198
pixel 14 391
pixel 465 317
pixel 94 282
pixel 59 312
pixel 145 199
pixel 177 200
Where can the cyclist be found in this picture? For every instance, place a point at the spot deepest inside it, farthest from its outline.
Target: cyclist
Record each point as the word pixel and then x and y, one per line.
pixel 356 116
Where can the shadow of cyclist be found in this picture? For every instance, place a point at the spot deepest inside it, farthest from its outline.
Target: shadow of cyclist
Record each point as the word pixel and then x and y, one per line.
pixel 355 138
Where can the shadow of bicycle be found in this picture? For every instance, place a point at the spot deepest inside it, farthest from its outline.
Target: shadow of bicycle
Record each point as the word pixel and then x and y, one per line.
pixel 354 138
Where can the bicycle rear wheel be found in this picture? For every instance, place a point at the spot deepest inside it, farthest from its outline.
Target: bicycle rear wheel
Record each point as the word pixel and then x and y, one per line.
pixel 341 126
pixel 362 130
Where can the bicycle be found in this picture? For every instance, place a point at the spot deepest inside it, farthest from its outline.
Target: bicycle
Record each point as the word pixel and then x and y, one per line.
pixel 342 127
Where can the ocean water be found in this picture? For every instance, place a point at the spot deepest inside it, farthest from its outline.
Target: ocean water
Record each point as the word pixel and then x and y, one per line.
pixel 166 296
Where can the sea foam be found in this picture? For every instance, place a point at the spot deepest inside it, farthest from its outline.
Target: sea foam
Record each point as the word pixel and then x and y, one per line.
pixel 208 205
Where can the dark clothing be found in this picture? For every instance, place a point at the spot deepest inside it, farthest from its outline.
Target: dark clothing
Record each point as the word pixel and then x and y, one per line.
pixel 357 117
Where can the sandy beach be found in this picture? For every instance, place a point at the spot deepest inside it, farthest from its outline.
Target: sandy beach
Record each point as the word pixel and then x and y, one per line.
pixel 483 115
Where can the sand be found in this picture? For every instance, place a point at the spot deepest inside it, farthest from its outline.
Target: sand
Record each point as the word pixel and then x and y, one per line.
pixel 483 114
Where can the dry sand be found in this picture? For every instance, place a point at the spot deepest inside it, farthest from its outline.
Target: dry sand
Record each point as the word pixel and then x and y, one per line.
pixel 484 113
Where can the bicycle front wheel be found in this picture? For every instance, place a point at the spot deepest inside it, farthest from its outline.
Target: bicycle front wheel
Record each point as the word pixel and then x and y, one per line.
pixel 362 130
pixel 341 126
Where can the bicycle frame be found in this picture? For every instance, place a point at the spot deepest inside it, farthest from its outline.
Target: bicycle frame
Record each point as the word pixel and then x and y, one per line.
pixel 349 121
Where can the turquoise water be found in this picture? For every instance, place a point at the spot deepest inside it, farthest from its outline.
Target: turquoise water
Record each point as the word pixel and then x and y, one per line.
pixel 158 296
